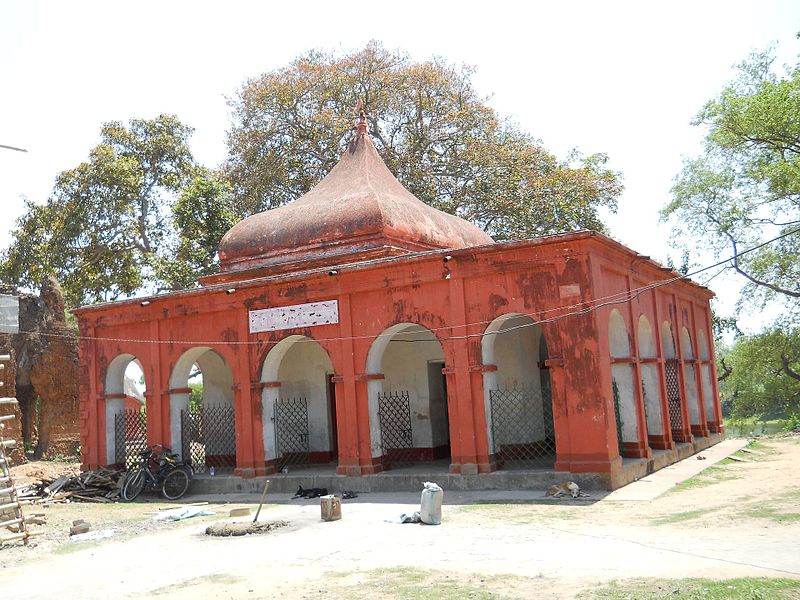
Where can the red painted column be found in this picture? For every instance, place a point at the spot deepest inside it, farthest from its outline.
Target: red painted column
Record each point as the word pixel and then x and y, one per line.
pixel 153 394
pixel 244 405
pixel 486 460
pixel 716 424
pixel 585 380
pixel 463 454
pixel 351 401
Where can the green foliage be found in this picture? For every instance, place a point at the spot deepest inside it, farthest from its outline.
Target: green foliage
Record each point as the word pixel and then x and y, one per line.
pixel 440 139
pixel 104 231
pixel 763 375
pixel 202 214
pixel 745 588
pixel 745 188
pixel 196 396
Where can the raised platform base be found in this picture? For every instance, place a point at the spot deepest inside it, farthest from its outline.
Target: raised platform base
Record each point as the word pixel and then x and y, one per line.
pixel 411 478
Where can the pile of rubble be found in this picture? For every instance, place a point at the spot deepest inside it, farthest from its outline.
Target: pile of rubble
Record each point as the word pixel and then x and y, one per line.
pixel 103 485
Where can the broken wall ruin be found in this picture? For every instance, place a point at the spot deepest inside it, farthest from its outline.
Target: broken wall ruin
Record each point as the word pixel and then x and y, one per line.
pixel 47 373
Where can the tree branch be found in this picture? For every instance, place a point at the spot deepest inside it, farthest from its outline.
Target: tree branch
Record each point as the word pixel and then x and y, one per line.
pixel 788 369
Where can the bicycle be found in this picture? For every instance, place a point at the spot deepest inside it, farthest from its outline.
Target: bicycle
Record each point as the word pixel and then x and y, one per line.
pixel 159 470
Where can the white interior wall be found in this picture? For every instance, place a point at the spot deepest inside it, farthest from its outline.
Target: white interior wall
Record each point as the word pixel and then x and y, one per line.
pixel 114 384
pixel 303 374
pixel 512 343
pixel 691 377
pixel 650 382
pixel 708 392
pixel 405 367
pixel 440 425
pixel 619 344
pixel 622 374
pixel 667 341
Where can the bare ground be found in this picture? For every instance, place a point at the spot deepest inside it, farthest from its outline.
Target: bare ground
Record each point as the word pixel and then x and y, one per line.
pixel 736 519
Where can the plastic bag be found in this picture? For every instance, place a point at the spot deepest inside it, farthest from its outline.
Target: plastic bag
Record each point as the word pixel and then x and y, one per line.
pixel 430 510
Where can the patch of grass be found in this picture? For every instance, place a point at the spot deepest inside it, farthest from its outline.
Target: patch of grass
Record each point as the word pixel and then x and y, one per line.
pixel 709 476
pixel 771 513
pixel 197 583
pixel 747 588
pixel 419 584
pixel 679 517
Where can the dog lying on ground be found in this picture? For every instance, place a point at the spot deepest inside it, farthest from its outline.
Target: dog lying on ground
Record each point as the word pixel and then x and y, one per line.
pixel 562 489
pixel 310 493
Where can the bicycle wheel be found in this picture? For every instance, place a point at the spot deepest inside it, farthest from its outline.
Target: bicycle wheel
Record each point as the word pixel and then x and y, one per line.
pixel 134 484
pixel 175 484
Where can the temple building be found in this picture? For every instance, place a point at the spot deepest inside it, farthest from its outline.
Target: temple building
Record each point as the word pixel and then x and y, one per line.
pixel 361 330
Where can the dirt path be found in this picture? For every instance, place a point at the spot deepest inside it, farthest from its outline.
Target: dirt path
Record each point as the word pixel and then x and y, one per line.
pixel 735 519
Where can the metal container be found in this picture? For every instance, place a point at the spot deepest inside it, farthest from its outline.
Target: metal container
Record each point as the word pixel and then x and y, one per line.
pixel 330 507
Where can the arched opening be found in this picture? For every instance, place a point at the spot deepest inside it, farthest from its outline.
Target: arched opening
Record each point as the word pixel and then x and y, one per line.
pixel 299 404
pixel 651 388
pixel 125 410
pixel 693 397
pixel 517 396
pixel 622 382
pixel 202 413
pixel 407 396
pixel 705 378
pixel 672 379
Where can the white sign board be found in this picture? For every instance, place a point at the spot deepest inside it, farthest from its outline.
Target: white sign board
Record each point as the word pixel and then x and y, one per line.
pixel 9 314
pixel 310 314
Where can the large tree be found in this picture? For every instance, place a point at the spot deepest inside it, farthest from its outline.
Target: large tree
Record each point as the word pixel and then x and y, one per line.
pixel 436 134
pixel 763 374
pixel 106 231
pixel 744 190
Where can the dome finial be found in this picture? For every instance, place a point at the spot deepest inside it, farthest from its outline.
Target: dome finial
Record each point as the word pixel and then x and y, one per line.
pixel 361 124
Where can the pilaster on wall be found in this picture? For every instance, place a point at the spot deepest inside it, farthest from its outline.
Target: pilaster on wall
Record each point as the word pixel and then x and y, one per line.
pixel 247 408
pixel 581 379
pixel 352 403
pixel 461 405
pixel 87 389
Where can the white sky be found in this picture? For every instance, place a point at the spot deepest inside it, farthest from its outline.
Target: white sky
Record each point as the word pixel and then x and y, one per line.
pixel 623 78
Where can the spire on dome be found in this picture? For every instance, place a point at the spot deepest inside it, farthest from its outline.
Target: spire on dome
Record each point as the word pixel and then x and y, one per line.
pixel 361 124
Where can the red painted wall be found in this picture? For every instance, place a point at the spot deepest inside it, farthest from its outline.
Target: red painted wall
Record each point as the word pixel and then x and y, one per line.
pixel 556 280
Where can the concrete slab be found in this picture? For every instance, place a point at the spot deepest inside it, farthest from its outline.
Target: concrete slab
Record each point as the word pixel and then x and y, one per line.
pixel 655 484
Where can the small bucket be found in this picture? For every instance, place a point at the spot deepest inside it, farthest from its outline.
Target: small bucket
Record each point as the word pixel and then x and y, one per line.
pixel 330 507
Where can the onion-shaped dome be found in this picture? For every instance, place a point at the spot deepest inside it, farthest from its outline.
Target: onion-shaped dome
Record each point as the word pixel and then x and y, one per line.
pixel 359 211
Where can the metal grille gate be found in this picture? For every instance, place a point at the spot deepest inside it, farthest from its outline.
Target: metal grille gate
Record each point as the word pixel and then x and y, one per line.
pixel 673 396
pixel 618 417
pixel 397 437
pixel 291 432
pixel 208 437
pixel 523 433
pixel 130 437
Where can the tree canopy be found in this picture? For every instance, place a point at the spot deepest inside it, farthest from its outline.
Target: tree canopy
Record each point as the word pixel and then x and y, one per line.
pixel 744 189
pixel 763 374
pixel 113 225
pixel 436 134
